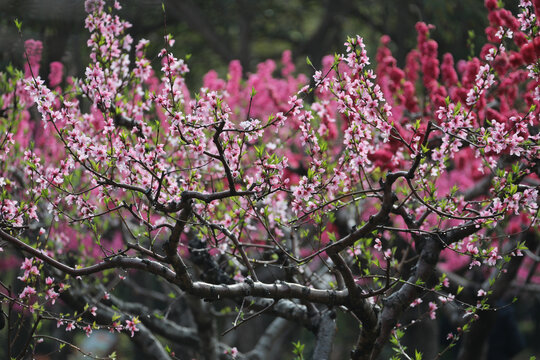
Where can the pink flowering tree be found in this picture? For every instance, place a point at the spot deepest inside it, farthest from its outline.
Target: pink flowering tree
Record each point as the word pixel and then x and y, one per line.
pixel 392 196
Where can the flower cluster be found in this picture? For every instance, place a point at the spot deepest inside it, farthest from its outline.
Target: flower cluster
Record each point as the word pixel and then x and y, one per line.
pixel 371 174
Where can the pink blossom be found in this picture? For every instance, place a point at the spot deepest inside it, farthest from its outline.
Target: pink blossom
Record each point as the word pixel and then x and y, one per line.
pixel 446 282
pixel 70 326
pixel 55 74
pixel 131 325
pixel 33 49
pixel 432 310
pixel 27 291
pixel 493 257
pixel 378 245
pixel 116 326
pixel 51 294
pixel 88 330
pixel 447 298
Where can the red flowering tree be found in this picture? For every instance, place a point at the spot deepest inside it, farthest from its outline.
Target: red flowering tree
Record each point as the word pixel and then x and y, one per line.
pixel 131 204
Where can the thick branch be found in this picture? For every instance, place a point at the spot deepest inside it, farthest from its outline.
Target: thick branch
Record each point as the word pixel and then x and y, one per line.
pixel 116 262
pixel 286 309
pixel 206 328
pixel 378 219
pixel 149 345
pixel 159 325
pixel 171 248
pixel 277 290
pixel 396 303
pixel 267 341
pixel 325 336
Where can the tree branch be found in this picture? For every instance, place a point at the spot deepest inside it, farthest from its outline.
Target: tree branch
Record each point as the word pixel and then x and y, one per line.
pixel 263 348
pixel 325 335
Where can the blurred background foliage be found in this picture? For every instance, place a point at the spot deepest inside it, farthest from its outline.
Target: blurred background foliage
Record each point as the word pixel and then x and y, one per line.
pixel 218 31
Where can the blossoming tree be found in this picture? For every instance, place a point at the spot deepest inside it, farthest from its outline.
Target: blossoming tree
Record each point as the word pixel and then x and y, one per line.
pixel 369 193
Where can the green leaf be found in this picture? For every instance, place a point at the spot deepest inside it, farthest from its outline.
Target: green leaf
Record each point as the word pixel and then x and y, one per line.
pixel 18 24
pixel 259 150
pixel 331 236
pixel 308 61
pixel 458 107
